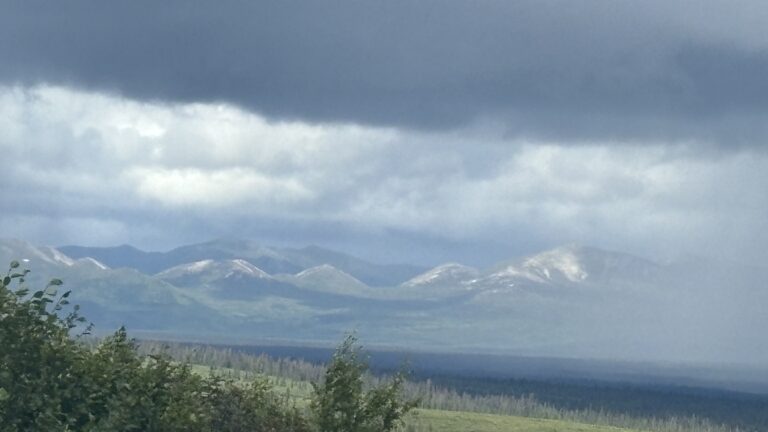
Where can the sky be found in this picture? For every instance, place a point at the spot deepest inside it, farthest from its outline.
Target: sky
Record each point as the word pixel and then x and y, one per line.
pixel 422 132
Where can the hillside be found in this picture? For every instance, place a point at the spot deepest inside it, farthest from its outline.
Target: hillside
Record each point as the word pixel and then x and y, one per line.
pixel 572 301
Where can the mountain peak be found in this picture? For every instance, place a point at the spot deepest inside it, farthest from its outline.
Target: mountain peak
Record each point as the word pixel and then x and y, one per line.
pixel 320 269
pixel 449 273
pixel 326 277
pixel 565 261
pixel 576 263
pixel 11 249
pixel 244 266
pixel 214 269
pixel 197 266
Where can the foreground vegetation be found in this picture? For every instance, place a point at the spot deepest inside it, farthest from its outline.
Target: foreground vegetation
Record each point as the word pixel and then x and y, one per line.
pixel 52 381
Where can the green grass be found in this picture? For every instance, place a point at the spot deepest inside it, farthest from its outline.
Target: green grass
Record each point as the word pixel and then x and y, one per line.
pixel 424 420
pixel 452 421
pixel 298 391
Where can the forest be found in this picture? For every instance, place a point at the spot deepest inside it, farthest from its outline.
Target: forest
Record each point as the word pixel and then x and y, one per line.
pixel 626 405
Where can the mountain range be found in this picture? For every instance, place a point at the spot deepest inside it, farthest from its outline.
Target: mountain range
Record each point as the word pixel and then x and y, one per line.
pixel 269 259
pixel 568 301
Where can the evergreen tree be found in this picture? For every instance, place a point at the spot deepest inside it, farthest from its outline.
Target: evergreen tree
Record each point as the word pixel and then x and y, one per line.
pixel 341 404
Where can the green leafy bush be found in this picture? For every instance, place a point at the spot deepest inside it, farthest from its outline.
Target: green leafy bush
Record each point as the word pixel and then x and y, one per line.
pixel 49 381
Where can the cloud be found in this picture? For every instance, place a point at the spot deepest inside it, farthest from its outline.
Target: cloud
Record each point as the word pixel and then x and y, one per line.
pixel 647 71
pixel 160 174
pixel 215 188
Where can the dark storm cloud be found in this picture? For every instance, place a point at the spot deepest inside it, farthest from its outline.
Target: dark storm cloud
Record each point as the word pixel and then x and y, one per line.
pixel 564 70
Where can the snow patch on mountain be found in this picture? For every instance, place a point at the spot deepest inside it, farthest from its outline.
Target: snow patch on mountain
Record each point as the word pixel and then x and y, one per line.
pixel 196 267
pixel 243 266
pixel 326 277
pixel 215 269
pixel 321 269
pixel 513 273
pixel 450 273
pixel 59 257
pixel 88 261
pixel 561 262
pixel 575 265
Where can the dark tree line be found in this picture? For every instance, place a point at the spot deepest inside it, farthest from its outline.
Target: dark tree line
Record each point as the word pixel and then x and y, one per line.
pixel 537 399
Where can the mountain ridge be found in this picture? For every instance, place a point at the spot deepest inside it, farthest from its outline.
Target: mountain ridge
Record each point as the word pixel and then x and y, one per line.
pixel 272 260
pixel 571 300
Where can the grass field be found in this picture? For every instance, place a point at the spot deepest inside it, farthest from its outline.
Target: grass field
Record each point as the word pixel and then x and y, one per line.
pixel 423 420
pixel 452 421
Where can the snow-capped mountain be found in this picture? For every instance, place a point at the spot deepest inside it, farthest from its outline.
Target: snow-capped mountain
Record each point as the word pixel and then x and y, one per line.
pixel 272 260
pixel 563 266
pixel 209 269
pixel 449 275
pixel 570 296
pixel 12 249
pixel 573 264
pixel 44 257
pixel 328 278
pixel 227 279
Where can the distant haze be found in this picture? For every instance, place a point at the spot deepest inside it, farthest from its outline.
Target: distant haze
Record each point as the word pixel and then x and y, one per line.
pixel 572 301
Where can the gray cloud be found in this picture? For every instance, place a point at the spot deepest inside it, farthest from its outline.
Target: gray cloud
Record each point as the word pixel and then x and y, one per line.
pixel 93 168
pixel 639 71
